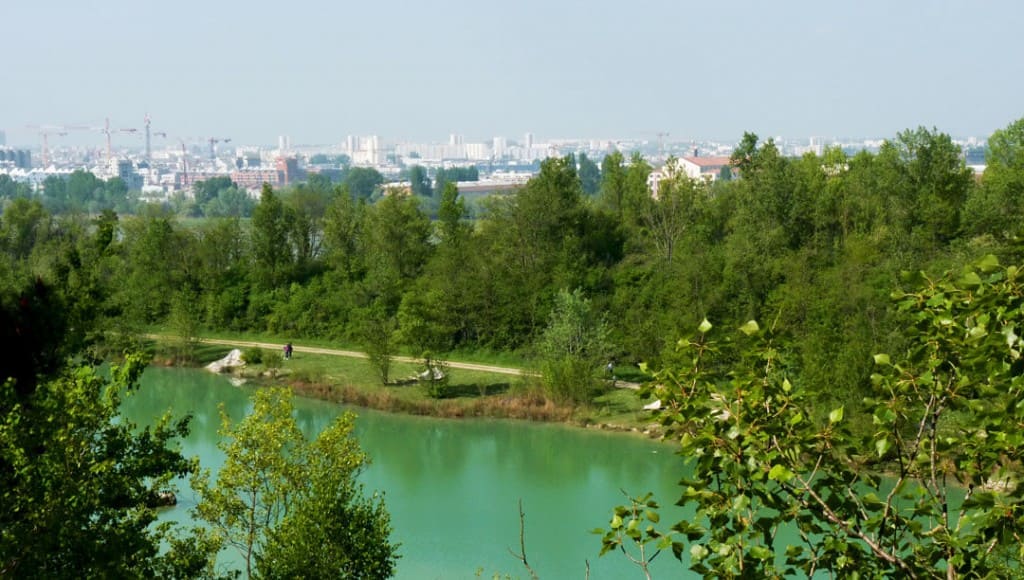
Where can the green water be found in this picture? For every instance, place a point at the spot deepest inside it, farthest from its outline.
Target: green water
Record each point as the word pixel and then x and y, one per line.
pixel 452 486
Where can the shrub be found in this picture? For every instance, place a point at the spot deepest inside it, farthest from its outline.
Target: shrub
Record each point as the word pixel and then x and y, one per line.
pixel 252 356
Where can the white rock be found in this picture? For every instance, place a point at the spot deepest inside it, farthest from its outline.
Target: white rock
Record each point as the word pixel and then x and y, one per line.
pixel 653 406
pixel 232 360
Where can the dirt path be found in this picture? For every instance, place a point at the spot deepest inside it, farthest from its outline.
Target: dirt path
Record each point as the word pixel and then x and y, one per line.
pixel 404 359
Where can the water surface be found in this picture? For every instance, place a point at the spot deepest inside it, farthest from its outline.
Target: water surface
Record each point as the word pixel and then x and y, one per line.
pixel 452 487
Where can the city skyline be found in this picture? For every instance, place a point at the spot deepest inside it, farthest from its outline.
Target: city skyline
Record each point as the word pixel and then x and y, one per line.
pixel 318 72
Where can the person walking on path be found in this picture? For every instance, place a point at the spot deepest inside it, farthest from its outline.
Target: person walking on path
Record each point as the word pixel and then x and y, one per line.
pixel 288 351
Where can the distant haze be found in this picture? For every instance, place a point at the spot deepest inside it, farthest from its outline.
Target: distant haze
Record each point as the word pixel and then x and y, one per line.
pixel 317 71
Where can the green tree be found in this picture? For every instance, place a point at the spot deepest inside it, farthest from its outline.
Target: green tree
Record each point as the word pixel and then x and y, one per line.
pixel 78 480
pixel 208 189
pixel 362 182
pixel 11 189
pixel 307 207
pixel 945 421
pixel 185 321
pixel 420 183
pixel 995 207
pixel 230 202
pixel 454 175
pixel 590 175
pixel 271 251
pixel 281 500
pixel 24 224
pixel 928 183
pixel 55 193
pixel 573 348
pixel 154 250
pixel 613 182
pixel 437 313
pixel 82 188
pixel 345 237
pixel 332 530
pixel 377 330
pixel 666 219
pixel 398 238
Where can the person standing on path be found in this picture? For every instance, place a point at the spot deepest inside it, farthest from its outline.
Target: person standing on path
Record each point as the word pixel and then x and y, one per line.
pixel 288 351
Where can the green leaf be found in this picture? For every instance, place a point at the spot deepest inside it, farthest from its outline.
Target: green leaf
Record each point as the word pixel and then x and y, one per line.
pixel 970 279
pixel 882 359
pixel 988 264
pixel 704 326
pixel 616 522
pixel 750 328
pixel 780 473
pixel 882 446
pixel 698 552
pixel 836 415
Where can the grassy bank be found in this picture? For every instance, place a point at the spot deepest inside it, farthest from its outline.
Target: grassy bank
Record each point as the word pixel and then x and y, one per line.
pixel 468 393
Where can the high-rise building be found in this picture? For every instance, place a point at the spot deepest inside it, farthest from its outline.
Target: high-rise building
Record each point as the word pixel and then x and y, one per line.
pixel 528 141
pixel 16 158
pixel 3 138
pixel 499 148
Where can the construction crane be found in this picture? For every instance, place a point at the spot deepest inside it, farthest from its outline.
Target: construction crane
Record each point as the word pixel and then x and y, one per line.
pixel 213 142
pixel 44 133
pixel 56 130
pixel 106 130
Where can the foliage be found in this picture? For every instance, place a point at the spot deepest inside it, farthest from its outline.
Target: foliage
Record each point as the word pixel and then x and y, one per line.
pixel 377 333
pixel 419 182
pixel 272 255
pixel 590 175
pixel 762 463
pixel 79 482
pixel 362 182
pixel 453 175
pixel 81 191
pixel 252 355
pixel 995 206
pixel 291 506
pixel 573 348
pixel 184 320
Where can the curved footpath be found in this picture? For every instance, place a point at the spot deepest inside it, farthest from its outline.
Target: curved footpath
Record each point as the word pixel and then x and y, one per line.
pixel 356 354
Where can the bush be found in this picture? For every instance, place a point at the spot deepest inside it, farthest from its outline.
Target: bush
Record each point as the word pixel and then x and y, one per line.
pixel 252 356
pixel 273 359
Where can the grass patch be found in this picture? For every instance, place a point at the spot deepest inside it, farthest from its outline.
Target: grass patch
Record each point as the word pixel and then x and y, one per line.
pixel 468 393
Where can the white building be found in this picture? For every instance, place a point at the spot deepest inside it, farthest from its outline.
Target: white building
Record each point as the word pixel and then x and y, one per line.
pixel 700 168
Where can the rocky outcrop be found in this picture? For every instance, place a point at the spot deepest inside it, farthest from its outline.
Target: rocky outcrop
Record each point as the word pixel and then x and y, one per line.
pixel 233 360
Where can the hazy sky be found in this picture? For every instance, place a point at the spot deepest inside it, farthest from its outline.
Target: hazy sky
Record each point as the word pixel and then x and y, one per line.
pixel 318 70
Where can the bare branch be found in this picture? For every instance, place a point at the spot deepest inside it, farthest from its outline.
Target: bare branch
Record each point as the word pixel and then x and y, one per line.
pixel 521 556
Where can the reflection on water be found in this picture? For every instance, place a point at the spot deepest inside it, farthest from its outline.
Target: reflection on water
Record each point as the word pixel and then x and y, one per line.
pixel 452 486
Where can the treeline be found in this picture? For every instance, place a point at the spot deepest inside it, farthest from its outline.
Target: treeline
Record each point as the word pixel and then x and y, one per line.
pixel 813 244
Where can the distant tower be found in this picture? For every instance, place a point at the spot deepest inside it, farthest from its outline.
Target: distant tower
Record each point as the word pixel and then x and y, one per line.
pixel 374 149
pixel 149 151
pixel 528 141
pixel 499 148
pixel 3 138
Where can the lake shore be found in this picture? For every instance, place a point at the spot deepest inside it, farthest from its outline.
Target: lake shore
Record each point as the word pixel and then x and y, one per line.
pixel 475 390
